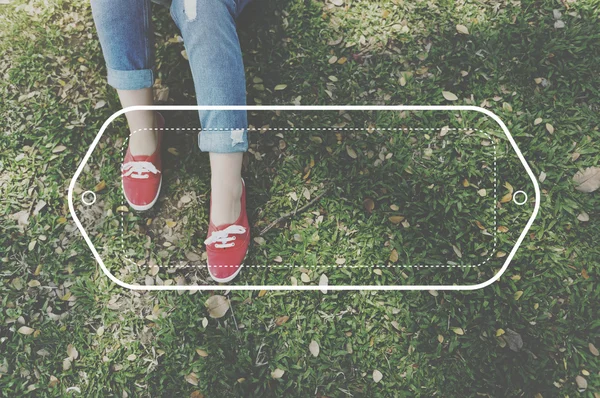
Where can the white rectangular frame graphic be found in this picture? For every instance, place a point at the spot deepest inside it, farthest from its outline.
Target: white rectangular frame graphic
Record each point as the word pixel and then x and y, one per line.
pixel 308 108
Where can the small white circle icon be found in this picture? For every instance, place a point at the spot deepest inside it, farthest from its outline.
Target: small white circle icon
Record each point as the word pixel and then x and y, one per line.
pixel 91 196
pixel 520 203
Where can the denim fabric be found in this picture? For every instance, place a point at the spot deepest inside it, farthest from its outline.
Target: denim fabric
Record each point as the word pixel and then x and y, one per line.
pixel 210 38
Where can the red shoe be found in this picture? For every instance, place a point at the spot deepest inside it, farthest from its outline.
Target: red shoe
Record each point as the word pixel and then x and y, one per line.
pixel 227 245
pixel 141 176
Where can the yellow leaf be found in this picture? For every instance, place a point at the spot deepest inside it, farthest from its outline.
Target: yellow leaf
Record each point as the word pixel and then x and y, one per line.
pixel 122 209
pixel 396 219
pixel 170 223
pixel 262 293
pixel 394 256
pixel 518 294
pixel 500 332
pixel 506 198
pixel 458 331
pixel 351 152
pixel 100 186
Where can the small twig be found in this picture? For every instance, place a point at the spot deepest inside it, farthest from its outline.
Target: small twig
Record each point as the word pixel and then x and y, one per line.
pixel 293 213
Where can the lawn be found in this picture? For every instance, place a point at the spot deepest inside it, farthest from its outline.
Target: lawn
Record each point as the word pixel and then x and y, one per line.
pixel 65 329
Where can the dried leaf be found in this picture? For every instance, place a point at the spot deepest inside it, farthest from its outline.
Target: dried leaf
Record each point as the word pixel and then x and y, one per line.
pixel 369 205
pixel 377 376
pixel 462 29
pixel 518 294
pixel 323 281
pixel 351 152
pixel 458 331
pixel 281 320
pixel 394 256
pixel 100 186
pixel 593 349
pixel 25 330
pixel 59 148
pixel 550 128
pixel 587 180
pixel 217 306
pixel 482 192
pixel 277 373
pixel 537 121
pixel 100 104
pixel 449 96
pixel 396 219
pixel 581 383
pixel 280 87
pixel 192 378
pixel 583 217
pixel 202 353
pixel 314 349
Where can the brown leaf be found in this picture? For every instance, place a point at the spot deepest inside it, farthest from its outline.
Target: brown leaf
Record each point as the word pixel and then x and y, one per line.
pixel 202 353
pixel 396 219
pixel 394 256
pixel 217 306
pixel 369 205
pixel 587 180
pixel 281 320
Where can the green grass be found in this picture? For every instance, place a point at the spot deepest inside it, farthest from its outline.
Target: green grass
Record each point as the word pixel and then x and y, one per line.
pixel 145 344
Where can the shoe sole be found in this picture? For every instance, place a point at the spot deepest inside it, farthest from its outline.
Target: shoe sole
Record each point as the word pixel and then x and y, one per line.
pixel 143 207
pixel 229 278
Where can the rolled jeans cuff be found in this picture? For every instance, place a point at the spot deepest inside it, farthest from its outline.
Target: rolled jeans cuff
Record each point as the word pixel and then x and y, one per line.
pixel 223 140
pixel 130 79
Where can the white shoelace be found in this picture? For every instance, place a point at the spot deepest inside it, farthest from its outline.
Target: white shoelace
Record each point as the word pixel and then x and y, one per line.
pixel 221 239
pixel 135 169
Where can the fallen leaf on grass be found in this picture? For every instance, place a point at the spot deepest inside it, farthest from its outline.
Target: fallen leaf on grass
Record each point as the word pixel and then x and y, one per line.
pixel 550 128
pixel 394 256
pixel 369 205
pixel 59 148
pixel 581 383
pixel 593 349
pixel 202 353
pixel 280 87
pixel 25 330
pixel 449 96
pixel 100 186
pixel 587 180
pixel 314 349
pixel 277 373
pixel 583 217
pixel 351 152
pixel 377 376
pixel 281 320
pixel 458 331
pixel 217 306
pixel 396 219
pixel 462 29
pixel 323 281
pixel 192 378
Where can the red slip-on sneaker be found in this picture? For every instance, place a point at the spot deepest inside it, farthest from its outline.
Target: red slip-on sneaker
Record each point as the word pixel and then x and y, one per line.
pixel 227 245
pixel 141 176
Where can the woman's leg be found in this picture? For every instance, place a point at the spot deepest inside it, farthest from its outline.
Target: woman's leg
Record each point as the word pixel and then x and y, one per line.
pixel 211 41
pixel 125 31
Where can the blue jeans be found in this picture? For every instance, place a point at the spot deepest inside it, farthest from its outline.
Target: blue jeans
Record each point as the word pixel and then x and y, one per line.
pixel 209 34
